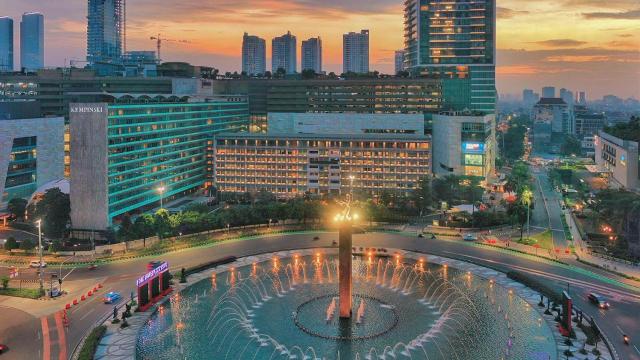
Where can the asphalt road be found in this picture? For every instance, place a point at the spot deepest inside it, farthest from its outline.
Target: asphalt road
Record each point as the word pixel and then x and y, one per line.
pixel 548 200
pixel 121 277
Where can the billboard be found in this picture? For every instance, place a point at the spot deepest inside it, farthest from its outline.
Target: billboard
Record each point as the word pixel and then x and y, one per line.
pixel 472 147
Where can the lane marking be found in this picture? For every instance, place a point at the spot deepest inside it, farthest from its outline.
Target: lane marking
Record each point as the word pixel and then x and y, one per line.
pixel 621 332
pixel 62 339
pixel 635 347
pixel 87 314
pixel 46 340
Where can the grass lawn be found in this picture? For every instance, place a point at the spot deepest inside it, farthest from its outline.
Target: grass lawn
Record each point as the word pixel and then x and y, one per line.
pixel 25 293
pixel 544 239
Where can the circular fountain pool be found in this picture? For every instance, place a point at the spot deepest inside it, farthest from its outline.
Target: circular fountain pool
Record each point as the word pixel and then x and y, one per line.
pixel 278 307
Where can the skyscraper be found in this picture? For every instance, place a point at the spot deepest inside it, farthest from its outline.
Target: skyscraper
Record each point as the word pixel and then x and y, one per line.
pixel 6 43
pixel 283 53
pixel 567 96
pixel 312 54
pixel 32 41
pixel 254 54
pixel 104 31
pixel 454 41
pixel 355 52
pixel 399 60
pixel 582 98
pixel 548 92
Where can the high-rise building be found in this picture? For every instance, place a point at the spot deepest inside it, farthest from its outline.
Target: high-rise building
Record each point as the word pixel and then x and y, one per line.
pixel 283 53
pixel 399 60
pixel 104 31
pixel 312 54
pixel 548 92
pixel 6 43
pixel 355 52
pixel 582 98
pixel 254 55
pixel 454 41
pixel 567 96
pixel 32 41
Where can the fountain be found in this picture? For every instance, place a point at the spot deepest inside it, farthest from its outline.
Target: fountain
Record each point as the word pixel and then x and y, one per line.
pixel 401 309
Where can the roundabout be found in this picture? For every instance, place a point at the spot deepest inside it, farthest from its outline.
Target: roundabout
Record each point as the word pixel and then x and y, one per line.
pixel 283 306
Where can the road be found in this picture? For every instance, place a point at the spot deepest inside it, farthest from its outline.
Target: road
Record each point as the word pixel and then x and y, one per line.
pixel 121 276
pixel 548 212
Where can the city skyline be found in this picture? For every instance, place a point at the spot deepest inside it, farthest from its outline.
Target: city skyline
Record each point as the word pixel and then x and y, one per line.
pixel 573 45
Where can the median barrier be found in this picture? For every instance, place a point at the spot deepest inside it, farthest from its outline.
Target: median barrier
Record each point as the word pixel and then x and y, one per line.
pixel 89 293
pixel 68 306
pixel 82 298
pixel 75 301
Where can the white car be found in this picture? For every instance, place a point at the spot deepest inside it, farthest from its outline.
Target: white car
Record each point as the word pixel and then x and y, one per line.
pixel 469 237
pixel 36 264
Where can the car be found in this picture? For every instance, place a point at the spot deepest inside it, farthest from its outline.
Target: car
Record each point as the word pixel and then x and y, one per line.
pixel 3 348
pixel 469 237
pixel 598 300
pixel 36 264
pixel 316 238
pixel 153 264
pixel 111 297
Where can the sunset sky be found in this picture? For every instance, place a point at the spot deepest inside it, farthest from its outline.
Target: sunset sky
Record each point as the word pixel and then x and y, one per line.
pixel 591 45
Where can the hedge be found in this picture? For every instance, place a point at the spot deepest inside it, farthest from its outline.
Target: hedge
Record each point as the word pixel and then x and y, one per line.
pixel 91 343
pixel 23 293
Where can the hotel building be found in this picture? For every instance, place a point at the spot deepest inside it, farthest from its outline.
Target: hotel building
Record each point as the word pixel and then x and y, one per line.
pixel 381 152
pixel 121 154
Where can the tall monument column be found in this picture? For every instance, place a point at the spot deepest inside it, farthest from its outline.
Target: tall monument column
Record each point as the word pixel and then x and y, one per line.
pixel 344 267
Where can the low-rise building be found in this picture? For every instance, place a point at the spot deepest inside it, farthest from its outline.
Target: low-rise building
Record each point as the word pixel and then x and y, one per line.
pixel 126 157
pixel 464 144
pixel 308 160
pixel 31 154
pixel 620 158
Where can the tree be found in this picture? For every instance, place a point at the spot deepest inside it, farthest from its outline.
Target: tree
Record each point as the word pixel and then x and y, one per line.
pixel 27 245
pixel 519 177
pixel 161 223
pixel 143 227
pixel 54 209
pixel 17 207
pixel 267 74
pixel 422 196
pixel 11 244
pixel 309 74
pixel 5 282
pixel 280 73
pixel 571 146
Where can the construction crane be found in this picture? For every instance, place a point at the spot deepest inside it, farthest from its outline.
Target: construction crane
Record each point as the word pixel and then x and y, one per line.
pixel 159 39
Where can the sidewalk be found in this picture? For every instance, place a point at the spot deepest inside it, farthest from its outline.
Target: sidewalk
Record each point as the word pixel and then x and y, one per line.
pixel 583 252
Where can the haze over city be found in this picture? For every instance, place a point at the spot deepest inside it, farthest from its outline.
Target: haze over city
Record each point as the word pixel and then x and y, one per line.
pixel 583 45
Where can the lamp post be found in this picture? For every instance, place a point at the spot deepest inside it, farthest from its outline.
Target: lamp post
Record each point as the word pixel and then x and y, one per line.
pixel 527 196
pixel 39 222
pixel 161 190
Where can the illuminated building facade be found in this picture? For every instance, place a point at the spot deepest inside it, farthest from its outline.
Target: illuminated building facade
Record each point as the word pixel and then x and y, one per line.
pixel 454 41
pixel 122 153
pixel 381 154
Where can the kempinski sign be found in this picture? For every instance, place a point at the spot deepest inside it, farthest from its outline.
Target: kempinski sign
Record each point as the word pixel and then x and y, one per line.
pixel 86 109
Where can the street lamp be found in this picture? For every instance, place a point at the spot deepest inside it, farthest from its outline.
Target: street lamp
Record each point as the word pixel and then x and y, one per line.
pixel 161 190
pixel 527 196
pixel 39 222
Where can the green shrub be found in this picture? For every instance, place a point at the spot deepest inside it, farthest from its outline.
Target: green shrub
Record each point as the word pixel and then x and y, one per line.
pixel 91 343
pixel 5 282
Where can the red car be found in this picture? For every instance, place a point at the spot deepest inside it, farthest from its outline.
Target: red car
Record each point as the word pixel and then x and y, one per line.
pixel 3 348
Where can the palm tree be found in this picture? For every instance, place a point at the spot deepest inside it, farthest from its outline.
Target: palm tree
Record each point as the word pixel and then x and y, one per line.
pixel 526 197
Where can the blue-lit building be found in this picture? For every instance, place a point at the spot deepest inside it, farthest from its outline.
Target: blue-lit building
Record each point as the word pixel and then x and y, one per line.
pixel 454 41
pixel 6 43
pixel 124 153
pixel 105 34
pixel 32 41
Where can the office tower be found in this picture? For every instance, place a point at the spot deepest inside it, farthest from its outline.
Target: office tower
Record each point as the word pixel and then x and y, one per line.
pixel 454 41
pixel 548 92
pixel 399 61
pixel 582 98
pixel 283 53
pixel 355 52
pixel 312 54
pixel 527 96
pixel 32 41
pixel 567 96
pixel 254 55
pixel 104 31
pixel 6 43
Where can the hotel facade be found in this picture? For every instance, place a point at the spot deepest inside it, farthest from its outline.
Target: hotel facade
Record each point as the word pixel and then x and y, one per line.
pixel 121 155
pixel 381 152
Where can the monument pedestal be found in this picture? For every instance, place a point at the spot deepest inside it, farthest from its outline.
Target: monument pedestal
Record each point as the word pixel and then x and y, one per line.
pixel 344 269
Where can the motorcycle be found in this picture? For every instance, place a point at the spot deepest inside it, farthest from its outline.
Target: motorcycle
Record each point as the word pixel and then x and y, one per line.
pixel 92 267
pixel 625 339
